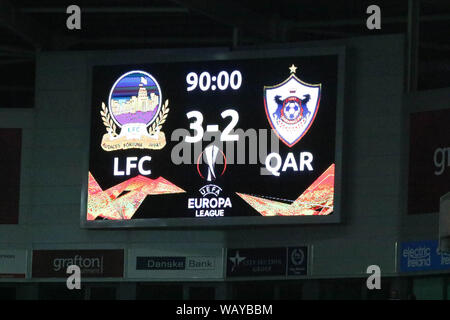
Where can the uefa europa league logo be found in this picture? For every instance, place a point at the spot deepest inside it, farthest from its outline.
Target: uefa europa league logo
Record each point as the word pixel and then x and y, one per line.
pixel 210 155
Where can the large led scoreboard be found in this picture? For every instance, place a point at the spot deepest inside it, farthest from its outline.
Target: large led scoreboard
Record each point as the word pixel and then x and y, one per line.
pixel 237 138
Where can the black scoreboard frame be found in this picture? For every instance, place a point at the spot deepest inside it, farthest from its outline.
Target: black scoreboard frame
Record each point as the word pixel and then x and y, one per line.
pixel 201 54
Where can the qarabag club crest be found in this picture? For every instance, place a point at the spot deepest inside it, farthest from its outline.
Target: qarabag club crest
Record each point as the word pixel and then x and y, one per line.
pixel 291 107
pixel 135 113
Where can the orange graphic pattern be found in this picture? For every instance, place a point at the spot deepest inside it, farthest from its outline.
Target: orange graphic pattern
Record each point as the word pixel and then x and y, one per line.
pixel 113 204
pixel 318 199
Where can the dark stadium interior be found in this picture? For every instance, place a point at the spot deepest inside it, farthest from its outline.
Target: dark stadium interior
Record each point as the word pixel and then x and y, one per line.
pixel 387 136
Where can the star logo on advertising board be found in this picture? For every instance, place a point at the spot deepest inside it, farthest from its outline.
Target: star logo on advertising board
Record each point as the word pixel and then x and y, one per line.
pixel 236 260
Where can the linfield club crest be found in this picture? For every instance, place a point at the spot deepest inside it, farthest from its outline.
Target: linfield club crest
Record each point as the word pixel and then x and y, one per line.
pixel 135 113
pixel 291 107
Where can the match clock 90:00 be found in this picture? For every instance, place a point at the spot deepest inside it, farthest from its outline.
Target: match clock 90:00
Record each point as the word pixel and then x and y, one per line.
pixel 205 81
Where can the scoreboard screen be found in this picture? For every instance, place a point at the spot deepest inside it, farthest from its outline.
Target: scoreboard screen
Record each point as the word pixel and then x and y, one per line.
pixel 239 139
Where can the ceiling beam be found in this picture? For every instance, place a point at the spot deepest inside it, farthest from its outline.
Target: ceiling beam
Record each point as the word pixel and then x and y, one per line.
pixel 151 41
pixel 231 13
pixel 122 10
pixel 16 88
pixel 9 62
pixel 362 21
pixel 16 51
